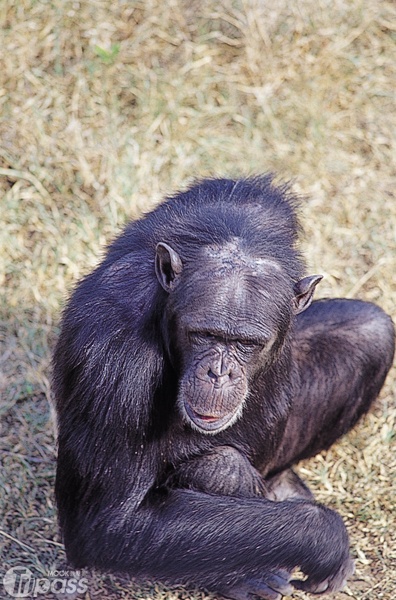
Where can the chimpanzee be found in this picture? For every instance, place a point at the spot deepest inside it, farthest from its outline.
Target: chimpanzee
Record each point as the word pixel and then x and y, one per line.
pixel 188 380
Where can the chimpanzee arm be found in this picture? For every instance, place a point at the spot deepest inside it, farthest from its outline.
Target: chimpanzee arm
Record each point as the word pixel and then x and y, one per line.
pixel 230 545
pixel 226 471
pixel 226 544
pixel 226 541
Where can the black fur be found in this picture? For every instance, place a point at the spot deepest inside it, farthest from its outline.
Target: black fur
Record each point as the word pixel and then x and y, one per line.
pixel 202 295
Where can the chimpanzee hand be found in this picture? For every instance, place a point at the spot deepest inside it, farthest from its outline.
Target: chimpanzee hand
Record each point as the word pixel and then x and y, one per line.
pixel 272 586
pixel 334 583
pixel 276 584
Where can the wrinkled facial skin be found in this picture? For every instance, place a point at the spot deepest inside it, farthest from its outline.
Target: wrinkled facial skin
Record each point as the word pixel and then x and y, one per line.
pixel 214 386
pixel 227 317
pixel 230 327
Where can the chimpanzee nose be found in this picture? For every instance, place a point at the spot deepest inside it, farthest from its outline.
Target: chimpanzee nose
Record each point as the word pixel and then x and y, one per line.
pixel 211 375
pixel 220 374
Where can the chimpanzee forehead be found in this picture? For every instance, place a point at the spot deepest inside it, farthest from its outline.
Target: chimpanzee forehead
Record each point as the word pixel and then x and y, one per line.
pixel 230 313
pixel 228 274
pixel 235 294
pixel 231 256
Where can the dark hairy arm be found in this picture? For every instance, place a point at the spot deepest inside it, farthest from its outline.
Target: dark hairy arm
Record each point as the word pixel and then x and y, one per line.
pixel 217 538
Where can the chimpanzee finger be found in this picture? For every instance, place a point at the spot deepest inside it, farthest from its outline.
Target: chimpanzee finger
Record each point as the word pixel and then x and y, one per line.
pixel 307 585
pixel 279 581
pixel 334 583
pixel 271 587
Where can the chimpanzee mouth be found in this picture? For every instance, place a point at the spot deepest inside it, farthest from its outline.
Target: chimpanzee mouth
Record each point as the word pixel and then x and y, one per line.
pixel 210 423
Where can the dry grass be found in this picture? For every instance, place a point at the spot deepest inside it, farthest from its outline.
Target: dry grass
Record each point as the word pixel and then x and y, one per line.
pixel 106 106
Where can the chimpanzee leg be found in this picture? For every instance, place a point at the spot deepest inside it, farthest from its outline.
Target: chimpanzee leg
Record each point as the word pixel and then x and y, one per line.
pixel 286 485
pixel 226 472
pixel 343 350
pixel 223 471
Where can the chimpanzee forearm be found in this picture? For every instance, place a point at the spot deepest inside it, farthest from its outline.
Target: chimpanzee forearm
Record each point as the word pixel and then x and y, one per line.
pixel 251 527
pixel 183 536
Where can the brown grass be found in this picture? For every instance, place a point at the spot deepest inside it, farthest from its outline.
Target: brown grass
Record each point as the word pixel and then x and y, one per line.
pixel 106 106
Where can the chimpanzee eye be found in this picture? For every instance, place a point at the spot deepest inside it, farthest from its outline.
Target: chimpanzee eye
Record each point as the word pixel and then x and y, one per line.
pixel 194 336
pixel 250 345
pixel 197 337
pixel 210 336
pixel 200 337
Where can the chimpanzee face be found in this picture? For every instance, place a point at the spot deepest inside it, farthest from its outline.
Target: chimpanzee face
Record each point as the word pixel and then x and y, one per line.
pixel 228 321
pixel 215 380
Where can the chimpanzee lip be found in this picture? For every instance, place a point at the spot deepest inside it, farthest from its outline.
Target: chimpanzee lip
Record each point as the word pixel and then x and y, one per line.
pixel 208 422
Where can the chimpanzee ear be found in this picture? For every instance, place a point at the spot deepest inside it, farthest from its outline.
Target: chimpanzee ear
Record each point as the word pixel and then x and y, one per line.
pixel 304 290
pixel 168 266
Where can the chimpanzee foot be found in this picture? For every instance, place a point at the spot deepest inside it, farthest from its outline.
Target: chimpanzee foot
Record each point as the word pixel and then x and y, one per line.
pixel 335 583
pixel 271 587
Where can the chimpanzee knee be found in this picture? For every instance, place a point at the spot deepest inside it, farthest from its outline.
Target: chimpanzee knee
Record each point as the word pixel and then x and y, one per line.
pixel 377 335
pixel 287 485
pixel 223 471
pixel 342 351
pixel 372 335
